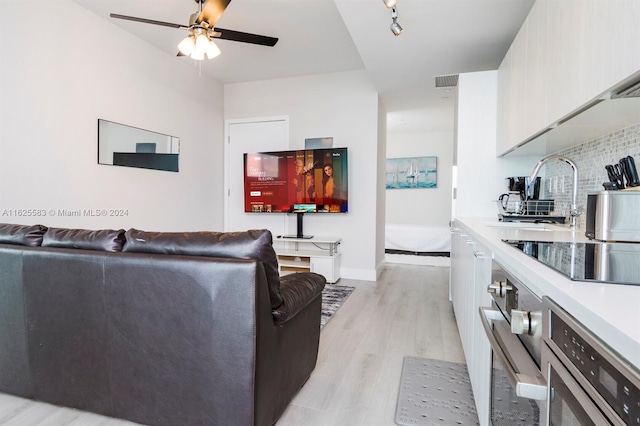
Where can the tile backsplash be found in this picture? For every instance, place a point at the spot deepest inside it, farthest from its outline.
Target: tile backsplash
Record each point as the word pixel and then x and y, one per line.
pixel 590 158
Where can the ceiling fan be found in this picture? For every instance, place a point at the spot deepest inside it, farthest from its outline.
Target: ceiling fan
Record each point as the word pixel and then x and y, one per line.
pixel 202 30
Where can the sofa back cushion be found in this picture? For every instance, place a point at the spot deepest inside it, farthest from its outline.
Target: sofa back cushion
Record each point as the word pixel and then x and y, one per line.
pixel 24 235
pixel 252 244
pixel 102 240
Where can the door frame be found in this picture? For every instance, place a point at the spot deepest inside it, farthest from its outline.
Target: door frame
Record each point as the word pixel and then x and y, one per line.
pixel 227 141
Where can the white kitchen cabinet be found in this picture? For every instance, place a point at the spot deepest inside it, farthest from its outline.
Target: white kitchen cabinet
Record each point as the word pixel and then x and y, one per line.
pixel 517 87
pixel 480 368
pixel 565 72
pixel 572 53
pixel 512 96
pixel 319 255
pixel 470 276
pixel 461 281
pixel 534 109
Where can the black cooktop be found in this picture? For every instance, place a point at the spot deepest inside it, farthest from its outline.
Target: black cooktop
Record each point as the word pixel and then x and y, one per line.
pixel 614 263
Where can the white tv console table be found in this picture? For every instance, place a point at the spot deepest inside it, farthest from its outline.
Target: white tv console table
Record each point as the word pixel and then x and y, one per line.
pixel 317 254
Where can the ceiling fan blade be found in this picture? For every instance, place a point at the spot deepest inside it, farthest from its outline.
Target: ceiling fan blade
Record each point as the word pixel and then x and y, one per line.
pixel 212 11
pixel 246 37
pixel 148 21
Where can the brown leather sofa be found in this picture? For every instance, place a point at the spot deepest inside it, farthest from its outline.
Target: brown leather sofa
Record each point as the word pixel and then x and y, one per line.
pixel 157 328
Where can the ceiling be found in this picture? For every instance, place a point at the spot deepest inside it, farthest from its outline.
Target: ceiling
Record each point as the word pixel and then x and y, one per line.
pixel 441 37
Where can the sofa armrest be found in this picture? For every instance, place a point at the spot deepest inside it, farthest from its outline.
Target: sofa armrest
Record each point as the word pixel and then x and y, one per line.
pixel 297 290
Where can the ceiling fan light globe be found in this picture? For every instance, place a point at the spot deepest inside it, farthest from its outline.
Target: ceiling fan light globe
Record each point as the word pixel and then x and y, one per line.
pixel 390 3
pixel 186 46
pixel 213 50
pixel 202 44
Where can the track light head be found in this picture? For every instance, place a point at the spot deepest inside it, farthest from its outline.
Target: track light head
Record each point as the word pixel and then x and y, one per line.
pixel 396 29
pixel 390 3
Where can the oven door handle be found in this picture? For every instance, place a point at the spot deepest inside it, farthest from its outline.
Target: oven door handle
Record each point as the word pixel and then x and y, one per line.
pixel 526 386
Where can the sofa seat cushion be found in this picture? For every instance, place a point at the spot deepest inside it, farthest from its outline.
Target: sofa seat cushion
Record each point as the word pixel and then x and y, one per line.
pixel 252 244
pixel 24 235
pixel 298 290
pixel 102 240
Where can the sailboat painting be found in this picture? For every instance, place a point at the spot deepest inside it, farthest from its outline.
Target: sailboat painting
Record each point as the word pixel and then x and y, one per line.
pixel 413 172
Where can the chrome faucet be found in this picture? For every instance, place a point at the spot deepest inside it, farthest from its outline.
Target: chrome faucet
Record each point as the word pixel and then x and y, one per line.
pixel 574 211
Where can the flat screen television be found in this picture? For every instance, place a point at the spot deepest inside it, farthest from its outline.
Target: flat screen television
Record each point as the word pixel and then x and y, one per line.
pixel 299 181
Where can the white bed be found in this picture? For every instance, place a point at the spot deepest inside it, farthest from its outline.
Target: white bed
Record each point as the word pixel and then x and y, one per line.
pixel 417 238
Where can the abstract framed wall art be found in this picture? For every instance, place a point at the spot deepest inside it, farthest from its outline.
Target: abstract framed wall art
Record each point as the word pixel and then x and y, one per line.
pixel 412 172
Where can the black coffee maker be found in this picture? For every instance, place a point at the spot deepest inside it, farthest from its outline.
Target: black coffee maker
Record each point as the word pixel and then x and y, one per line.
pixel 520 191
pixel 524 188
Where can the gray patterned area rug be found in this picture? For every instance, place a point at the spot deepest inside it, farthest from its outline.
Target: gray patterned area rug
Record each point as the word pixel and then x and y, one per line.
pixel 435 393
pixel 333 296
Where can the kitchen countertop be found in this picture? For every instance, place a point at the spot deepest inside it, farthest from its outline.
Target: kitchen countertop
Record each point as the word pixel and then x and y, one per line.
pixel 610 311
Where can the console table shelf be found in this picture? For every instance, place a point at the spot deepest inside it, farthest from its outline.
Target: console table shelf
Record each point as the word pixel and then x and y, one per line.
pixel 317 254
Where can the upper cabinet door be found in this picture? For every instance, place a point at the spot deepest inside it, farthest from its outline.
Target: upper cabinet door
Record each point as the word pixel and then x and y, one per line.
pixel 618 38
pixel 535 108
pixel 567 54
pixel 565 64
pixel 518 86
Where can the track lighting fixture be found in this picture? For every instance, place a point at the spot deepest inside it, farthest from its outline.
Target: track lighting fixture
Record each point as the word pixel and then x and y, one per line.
pixel 390 3
pixel 396 29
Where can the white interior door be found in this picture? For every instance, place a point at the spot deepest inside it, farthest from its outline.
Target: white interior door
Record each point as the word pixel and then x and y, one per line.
pixel 243 136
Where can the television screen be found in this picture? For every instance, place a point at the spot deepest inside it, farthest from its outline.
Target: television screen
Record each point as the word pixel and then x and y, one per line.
pixel 302 181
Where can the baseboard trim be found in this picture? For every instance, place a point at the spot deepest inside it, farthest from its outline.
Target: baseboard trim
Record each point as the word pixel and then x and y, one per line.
pixel 358 274
pixel 419 253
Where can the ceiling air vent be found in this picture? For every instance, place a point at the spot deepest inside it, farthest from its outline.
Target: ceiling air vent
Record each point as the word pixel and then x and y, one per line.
pixel 447 80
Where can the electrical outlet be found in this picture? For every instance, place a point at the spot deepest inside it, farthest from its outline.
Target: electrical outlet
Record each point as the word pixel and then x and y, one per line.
pixel 549 184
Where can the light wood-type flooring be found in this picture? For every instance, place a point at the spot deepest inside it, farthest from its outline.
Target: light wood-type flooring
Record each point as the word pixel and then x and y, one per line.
pixel 356 381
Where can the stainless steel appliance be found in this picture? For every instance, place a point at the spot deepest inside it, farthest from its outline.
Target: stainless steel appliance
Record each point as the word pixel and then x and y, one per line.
pixel 615 263
pixel 514 329
pixel 589 384
pixel 613 216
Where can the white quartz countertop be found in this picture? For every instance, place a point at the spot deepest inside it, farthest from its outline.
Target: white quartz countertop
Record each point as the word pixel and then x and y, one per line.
pixel 610 311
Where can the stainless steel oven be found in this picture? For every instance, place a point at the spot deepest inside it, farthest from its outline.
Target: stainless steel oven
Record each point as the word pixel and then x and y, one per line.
pixel 513 325
pixel 589 384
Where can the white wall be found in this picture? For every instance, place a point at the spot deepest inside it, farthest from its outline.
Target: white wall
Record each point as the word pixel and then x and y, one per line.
pixel 74 67
pixel 343 106
pixel 381 192
pixel 430 206
pixel 481 176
